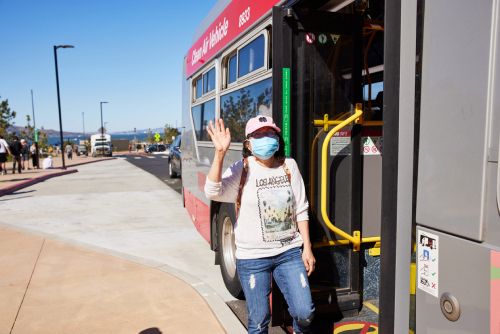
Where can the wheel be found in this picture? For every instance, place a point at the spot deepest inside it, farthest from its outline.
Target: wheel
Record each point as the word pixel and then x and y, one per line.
pixel 227 250
pixel 171 172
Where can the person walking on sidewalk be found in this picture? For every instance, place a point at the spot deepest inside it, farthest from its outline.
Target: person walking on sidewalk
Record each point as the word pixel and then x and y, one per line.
pixel 129 148
pixel 34 155
pixel 4 149
pixel 15 150
pixel 272 222
pixel 69 150
pixel 25 155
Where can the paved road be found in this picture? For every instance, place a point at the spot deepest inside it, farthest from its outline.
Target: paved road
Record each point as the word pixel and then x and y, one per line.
pixel 155 164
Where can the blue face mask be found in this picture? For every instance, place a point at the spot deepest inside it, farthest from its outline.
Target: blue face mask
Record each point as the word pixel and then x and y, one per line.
pixel 264 147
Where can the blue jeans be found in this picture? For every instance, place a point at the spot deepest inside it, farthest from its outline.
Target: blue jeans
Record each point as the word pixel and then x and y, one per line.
pixel 290 274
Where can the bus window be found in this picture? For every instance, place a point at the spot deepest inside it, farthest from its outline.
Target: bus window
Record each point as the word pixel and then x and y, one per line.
pixel 251 57
pixel 202 115
pixel 209 81
pixel 376 101
pixel 241 105
pixel 232 69
pixel 199 89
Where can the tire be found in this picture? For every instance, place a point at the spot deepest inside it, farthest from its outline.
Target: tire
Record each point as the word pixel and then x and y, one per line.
pixel 171 172
pixel 227 249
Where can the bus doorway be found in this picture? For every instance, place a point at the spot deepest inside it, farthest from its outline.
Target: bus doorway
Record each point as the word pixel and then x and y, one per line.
pixel 322 96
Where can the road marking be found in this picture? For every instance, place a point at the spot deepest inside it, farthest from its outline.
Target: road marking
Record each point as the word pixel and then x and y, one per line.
pixel 164 157
pixel 137 158
pixel 371 307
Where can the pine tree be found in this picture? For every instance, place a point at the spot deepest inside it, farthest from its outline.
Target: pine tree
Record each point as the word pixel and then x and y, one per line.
pixel 6 116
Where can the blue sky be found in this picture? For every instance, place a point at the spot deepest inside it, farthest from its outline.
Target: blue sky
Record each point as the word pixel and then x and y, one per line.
pixel 128 53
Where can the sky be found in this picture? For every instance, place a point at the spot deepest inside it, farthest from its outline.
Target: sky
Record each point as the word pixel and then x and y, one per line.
pixel 127 53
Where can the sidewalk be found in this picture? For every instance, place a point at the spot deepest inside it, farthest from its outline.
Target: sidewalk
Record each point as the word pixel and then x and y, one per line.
pixel 117 209
pixel 26 175
pixel 48 286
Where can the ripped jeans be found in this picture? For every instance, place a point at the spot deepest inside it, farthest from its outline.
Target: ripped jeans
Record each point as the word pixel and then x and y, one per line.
pixel 290 274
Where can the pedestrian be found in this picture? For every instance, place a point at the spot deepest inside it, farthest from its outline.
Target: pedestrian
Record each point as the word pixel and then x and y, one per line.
pixel 15 150
pixel 69 150
pixel 51 149
pixel 129 148
pixel 25 155
pixel 48 163
pixel 4 152
pixel 137 148
pixel 272 222
pixel 34 155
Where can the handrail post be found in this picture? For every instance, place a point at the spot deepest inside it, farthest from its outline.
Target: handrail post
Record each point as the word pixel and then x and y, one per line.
pixel 357 117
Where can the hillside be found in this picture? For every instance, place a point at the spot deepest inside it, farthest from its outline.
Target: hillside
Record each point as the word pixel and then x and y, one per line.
pixel 50 133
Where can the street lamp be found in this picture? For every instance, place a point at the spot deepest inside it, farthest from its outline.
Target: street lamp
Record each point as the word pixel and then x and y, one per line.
pixel 102 129
pixel 59 99
pixel 83 118
pixel 34 126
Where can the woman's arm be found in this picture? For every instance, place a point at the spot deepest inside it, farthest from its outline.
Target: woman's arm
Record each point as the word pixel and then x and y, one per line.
pixel 221 137
pixel 218 187
pixel 307 255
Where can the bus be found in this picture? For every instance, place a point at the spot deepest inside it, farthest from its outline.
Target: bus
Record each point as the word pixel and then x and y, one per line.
pixel 391 110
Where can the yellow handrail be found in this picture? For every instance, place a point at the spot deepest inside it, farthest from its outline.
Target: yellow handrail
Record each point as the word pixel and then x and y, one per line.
pixel 318 244
pixel 356 238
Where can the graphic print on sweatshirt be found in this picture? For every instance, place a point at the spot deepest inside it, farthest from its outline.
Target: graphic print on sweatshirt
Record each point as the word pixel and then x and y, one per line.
pixel 276 213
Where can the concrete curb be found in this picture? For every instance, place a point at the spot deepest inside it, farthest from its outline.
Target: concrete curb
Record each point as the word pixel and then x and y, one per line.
pixel 86 162
pixel 221 310
pixel 21 185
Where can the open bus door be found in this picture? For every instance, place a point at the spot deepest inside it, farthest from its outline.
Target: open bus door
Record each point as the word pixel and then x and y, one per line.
pixel 318 66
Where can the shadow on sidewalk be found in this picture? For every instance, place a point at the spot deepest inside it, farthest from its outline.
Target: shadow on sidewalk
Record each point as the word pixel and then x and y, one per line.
pixel 13 180
pixel 11 199
pixel 152 330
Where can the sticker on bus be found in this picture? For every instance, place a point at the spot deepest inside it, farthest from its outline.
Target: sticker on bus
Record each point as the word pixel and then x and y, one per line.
pixel 372 145
pixel 340 144
pixel 428 262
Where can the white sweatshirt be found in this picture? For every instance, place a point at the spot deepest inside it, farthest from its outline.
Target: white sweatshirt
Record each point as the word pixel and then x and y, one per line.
pixel 266 225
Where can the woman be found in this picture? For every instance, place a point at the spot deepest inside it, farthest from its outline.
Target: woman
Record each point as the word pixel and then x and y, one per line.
pixel 272 204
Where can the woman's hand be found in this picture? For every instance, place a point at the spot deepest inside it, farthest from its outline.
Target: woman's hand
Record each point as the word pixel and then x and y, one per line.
pixel 221 137
pixel 309 260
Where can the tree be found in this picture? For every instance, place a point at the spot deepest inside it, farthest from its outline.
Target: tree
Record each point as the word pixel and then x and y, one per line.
pixel 43 140
pixel 150 139
pixel 168 133
pixel 6 116
pixel 29 132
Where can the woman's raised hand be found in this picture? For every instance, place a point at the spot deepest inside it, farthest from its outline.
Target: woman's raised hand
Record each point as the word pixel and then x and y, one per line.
pixel 221 137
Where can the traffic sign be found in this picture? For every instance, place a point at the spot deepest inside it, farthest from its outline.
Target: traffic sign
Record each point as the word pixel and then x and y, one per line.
pixel 322 38
pixel 36 135
pixel 335 38
pixel 310 37
pixel 157 136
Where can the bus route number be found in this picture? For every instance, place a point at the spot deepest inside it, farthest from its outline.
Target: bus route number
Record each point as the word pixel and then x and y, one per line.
pixel 245 16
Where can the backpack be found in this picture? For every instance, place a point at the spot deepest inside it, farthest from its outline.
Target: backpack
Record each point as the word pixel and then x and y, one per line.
pixel 244 179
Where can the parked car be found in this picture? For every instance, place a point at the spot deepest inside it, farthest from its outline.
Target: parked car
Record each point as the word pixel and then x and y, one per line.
pixel 82 150
pixel 174 161
pixel 155 148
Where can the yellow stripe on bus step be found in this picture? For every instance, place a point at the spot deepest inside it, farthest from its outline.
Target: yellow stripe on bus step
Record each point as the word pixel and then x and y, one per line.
pixel 371 307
